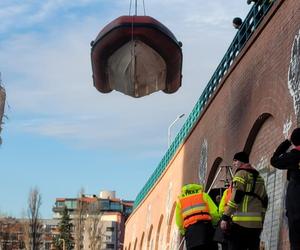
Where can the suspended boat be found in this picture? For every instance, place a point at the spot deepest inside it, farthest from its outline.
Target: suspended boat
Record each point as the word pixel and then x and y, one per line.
pixel 136 55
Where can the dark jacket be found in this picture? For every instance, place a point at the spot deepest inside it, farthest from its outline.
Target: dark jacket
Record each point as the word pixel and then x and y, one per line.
pixel 282 159
pixel 199 235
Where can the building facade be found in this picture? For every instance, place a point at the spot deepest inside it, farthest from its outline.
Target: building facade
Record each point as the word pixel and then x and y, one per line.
pixel 98 220
pixel 251 103
pixel 13 234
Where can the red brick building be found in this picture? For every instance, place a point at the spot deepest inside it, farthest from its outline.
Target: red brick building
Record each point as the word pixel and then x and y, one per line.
pixel 251 103
pixel 13 233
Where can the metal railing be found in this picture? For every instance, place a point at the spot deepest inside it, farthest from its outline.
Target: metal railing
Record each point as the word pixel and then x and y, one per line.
pixel 249 25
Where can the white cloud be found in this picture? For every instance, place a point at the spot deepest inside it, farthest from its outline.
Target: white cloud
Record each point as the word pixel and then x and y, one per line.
pixel 45 66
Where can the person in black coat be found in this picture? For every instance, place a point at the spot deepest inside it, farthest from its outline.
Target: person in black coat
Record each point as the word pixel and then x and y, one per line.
pixel 284 158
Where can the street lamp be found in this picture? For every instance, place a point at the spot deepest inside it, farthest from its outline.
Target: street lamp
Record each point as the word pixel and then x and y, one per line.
pixel 64 243
pixel 169 129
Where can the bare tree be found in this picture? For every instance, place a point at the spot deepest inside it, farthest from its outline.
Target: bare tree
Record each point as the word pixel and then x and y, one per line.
pixel 93 225
pixel 79 220
pixel 34 223
pixel 26 234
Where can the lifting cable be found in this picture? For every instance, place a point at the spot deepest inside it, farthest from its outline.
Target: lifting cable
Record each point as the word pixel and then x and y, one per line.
pixel 132 37
pixel 136 7
pixel 144 7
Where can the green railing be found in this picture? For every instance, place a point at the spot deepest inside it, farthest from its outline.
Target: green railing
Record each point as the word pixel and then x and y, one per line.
pixel 249 25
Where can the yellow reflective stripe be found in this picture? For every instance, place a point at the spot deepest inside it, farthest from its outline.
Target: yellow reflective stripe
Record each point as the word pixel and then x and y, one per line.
pixel 198 205
pixel 250 216
pixel 244 205
pixel 193 210
pixel 232 204
pixel 247 218
pixel 239 179
pixel 246 199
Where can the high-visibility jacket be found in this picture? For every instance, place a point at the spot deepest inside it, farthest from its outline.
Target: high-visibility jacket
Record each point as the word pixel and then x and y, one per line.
pixel 248 202
pixel 194 205
pixel 225 199
pixel 193 209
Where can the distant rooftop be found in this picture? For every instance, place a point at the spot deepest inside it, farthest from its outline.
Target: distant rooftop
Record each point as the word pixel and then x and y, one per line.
pixel 106 201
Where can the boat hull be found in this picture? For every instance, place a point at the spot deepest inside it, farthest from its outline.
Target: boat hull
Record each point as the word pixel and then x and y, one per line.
pixel 147 43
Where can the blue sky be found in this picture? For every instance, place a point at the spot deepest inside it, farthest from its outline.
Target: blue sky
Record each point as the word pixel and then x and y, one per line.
pixel 62 135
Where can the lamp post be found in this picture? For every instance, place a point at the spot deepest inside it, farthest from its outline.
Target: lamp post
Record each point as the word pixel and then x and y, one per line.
pixel 64 243
pixel 169 129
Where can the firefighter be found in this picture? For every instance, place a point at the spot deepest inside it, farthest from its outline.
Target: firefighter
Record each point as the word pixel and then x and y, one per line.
pixel 244 215
pixel 196 213
pixel 283 158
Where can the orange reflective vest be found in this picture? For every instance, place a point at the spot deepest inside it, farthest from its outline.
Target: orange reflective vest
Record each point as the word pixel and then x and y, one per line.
pixel 228 195
pixel 193 209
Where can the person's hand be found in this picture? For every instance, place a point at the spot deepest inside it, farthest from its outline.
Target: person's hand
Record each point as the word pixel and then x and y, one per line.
pixel 225 226
pixel 182 231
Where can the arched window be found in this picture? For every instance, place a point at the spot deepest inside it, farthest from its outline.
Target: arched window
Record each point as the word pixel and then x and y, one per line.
pixel 135 244
pixel 169 226
pixel 142 240
pixel 213 171
pixel 149 243
pixel 158 232
pixel 254 131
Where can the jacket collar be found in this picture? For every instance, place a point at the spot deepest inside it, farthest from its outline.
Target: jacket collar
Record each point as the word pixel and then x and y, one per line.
pixel 297 148
pixel 247 167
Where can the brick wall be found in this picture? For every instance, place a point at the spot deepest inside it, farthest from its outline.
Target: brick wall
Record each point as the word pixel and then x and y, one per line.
pixel 254 109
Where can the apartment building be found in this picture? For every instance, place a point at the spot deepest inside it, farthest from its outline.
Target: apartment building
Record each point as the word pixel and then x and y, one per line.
pixel 103 214
pixel 13 234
